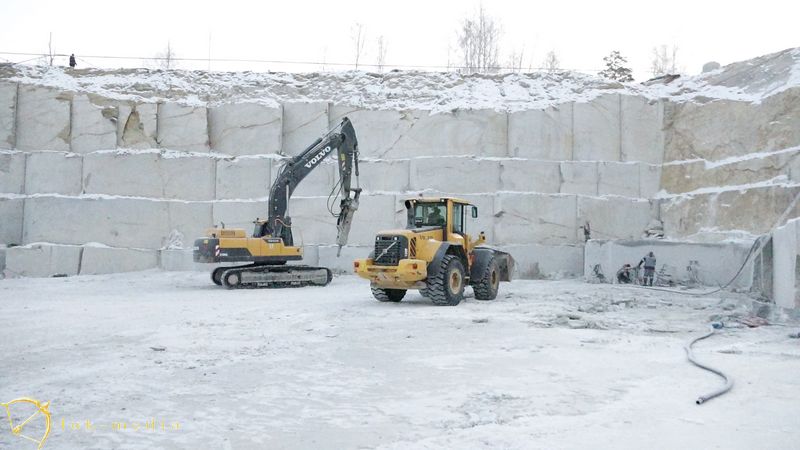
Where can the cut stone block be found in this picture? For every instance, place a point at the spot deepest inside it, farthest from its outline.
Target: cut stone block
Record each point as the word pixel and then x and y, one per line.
pixel 533 261
pixel 182 261
pixel 11 219
pixel 183 127
pixel 384 176
pixel 618 179
pixel 784 257
pixel 310 256
pixel 318 183
pixel 403 134
pixel 615 217
pixel 541 134
pixel 312 224
pixel 118 222
pixel 43 260
pixel 43 119
pixel 8 109
pixel 522 175
pixel 53 173
pixel 186 221
pixel 693 175
pixel 642 129
pixel 137 125
pixel 12 172
pixel 341 265
pixel 725 128
pixel 243 178
pixel 457 175
pixel 94 124
pixel 303 123
pixel 579 178
pixel 150 174
pixel 100 260
pixel 685 216
pixel 717 263
pixel 597 129
pixel 245 129
pixel 535 218
pixel 649 180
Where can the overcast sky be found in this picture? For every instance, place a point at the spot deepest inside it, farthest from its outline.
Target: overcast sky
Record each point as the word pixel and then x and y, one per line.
pixel 418 32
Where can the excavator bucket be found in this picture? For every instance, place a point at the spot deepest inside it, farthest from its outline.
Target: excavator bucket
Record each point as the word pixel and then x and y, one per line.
pixel 348 207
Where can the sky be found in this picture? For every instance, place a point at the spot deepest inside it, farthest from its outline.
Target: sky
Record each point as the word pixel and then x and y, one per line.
pixel 417 33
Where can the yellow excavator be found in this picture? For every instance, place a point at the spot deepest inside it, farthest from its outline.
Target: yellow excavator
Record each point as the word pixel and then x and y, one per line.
pixel 272 245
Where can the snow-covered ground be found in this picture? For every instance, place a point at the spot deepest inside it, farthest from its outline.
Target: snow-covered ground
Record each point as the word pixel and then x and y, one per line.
pixel 547 365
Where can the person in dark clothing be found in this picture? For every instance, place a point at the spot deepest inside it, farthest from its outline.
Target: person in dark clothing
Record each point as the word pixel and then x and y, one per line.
pixel 624 274
pixel 649 262
pixel 72 62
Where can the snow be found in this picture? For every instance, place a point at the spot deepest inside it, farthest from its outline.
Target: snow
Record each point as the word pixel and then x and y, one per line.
pixel 751 81
pixel 547 365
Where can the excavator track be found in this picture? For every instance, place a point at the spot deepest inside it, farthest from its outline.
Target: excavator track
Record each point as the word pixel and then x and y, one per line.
pixel 259 276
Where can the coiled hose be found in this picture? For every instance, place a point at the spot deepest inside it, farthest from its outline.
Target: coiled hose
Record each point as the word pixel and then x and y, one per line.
pixel 728 381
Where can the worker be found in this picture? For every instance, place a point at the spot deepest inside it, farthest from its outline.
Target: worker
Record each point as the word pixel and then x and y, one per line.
pixel 72 62
pixel 435 217
pixel 649 262
pixel 624 274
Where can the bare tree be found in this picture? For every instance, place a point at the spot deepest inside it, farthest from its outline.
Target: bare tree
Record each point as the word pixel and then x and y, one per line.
pixel 479 41
pixel 515 60
pixel 50 52
pixel 665 60
pixel 165 59
pixel 358 35
pixel 551 61
pixel 381 58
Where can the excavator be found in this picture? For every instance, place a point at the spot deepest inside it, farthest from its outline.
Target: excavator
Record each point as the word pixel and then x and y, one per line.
pixel 272 245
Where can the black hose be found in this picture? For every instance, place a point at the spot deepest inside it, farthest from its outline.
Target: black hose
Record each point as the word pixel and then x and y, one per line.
pixel 728 381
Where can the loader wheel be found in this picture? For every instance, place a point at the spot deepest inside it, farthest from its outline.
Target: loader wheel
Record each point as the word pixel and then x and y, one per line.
pixel 486 287
pixel 388 295
pixel 232 280
pixel 447 287
pixel 216 275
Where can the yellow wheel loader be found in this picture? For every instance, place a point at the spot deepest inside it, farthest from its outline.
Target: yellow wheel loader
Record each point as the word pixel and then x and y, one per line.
pixel 436 255
pixel 272 245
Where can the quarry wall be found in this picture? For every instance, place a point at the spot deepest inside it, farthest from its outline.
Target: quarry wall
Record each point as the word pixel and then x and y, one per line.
pixel 88 180
pixel 93 184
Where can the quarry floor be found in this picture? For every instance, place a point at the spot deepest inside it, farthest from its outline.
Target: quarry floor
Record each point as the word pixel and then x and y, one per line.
pixel 558 364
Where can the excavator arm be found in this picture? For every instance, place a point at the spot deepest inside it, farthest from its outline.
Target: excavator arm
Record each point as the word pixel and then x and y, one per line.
pixel 342 141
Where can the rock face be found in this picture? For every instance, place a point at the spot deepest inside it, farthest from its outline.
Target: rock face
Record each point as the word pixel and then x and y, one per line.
pixel 245 129
pixel 43 119
pixel 94 126
pixel 8 110
pixel 139 172
pixel 183 127
pixel 711 66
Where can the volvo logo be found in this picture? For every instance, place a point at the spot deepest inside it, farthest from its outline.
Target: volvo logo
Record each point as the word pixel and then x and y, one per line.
pixel 318 157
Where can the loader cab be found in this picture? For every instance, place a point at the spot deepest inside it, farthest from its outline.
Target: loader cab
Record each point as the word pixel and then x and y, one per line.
pixel 439 213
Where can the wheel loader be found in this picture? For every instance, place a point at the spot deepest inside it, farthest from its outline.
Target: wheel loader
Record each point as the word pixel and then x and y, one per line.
pixel 271 246
pixel 435 255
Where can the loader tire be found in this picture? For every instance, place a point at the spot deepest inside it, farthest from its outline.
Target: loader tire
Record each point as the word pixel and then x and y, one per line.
pixel 447 287
pixel 388 295
pixel 487 286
